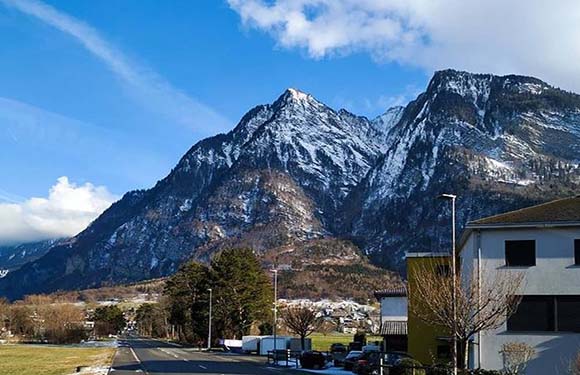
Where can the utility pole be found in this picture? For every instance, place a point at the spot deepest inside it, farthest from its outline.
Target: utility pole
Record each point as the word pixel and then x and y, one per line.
pixel 452 198
pixel 275 312
pixel 209 326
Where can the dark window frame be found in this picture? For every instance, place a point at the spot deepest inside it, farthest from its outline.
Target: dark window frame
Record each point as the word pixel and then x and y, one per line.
pixel 567 318
pixel 527 321
pixel 514 256
pixel 577 252
pixel 561 314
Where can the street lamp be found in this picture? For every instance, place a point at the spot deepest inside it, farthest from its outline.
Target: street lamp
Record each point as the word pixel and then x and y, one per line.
pixel 452 198
pixel 275 311
pixel 209 326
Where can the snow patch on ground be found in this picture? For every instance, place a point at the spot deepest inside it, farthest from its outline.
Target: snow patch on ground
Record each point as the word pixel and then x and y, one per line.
pixel 328 371
pixel 186 206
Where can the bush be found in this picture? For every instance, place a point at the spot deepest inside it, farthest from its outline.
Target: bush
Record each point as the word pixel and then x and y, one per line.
pixel 409 366
pixel 479 371
pixel 67 335
pixel 409 362
pixel 441 370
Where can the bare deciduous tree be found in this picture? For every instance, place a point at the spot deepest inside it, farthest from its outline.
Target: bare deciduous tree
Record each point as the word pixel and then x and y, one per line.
pixel 62 323
pixel 516 356
pixel 575 365
pixel 301 321
pixel 481 304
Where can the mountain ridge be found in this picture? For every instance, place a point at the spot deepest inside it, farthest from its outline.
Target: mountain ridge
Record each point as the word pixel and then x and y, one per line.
pixel 296 171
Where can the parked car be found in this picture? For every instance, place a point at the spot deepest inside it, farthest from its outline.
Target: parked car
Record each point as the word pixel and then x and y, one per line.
pixel 338 352
pixel 369 362
pixel 337 346
pixel 351 359
pixel 313 360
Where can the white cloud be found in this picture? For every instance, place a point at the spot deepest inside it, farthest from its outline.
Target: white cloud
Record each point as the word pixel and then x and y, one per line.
pixel 148 87
pixel 534 37
pixel 68 209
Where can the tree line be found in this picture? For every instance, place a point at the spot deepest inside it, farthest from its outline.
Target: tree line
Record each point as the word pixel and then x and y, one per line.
pixel 242 297
pixel 38 319
pixel 242 301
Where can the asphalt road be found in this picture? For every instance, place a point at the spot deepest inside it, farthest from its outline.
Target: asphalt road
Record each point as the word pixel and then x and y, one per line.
pixel 155 357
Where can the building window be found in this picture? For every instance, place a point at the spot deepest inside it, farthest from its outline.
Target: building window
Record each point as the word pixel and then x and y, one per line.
pixel 577 252
pixel 568 308
pixel 520 253
pixel 546 313
pixel 534 313
pixel 443 351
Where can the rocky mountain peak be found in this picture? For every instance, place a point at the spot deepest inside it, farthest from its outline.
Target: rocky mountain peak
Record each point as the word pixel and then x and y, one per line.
pixel 294 99
pixel 389 119
pixel 296 171
pixel 476 86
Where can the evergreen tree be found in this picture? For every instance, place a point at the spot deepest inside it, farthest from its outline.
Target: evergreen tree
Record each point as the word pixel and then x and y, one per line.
pixel 151 320
pixel 242 296
pixel 188 300
pixel 109 320
pixel 243 292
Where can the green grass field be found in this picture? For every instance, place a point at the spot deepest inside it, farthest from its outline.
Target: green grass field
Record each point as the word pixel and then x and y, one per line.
pixel 50 360
pixel 323 342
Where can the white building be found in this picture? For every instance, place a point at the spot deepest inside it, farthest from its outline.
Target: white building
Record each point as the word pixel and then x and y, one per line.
pixel 543 243
pixel 393 318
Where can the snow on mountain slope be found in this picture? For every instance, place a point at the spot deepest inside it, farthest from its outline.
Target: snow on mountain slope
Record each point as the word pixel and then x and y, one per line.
pixel 327 152
pixel 389 119
pixel 278 177
pixel 474 135
pixel 296 174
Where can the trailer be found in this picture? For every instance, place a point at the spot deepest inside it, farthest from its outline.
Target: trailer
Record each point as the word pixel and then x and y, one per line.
pixel 251 344
pixel 267 343
pixel 296 344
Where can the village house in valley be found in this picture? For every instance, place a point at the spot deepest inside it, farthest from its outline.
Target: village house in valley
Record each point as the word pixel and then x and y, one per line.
pixel 393 319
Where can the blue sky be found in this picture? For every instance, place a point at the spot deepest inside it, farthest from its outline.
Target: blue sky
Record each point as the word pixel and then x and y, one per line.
pixel 110 94
pixel 199 47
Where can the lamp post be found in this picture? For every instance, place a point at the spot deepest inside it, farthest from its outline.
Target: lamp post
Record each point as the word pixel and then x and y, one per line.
pixel 275 312
pixel 209 326
pixel 452 198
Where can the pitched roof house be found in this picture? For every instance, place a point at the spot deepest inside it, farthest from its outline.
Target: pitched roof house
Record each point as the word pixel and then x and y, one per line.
pixel 542 243
pixel 393 318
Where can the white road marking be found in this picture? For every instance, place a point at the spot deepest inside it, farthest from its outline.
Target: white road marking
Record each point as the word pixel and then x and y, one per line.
pixel 134 355
pixel 138 361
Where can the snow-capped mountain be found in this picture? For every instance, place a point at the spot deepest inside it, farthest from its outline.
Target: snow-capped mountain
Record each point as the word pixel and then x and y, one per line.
pixel 281 175
pixel 500 143
pixel 387 121
pixel 12 257
pixel 296 172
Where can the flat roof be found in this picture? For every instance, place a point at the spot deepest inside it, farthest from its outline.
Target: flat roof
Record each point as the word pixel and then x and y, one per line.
pixel 427 254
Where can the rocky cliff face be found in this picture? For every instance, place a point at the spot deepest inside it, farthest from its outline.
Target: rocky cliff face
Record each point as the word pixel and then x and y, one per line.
pixel 281 176
pixel 500 143
pixel 296 172
pixel 13 257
